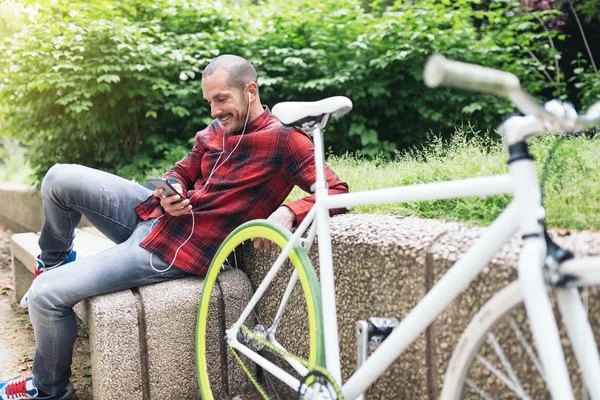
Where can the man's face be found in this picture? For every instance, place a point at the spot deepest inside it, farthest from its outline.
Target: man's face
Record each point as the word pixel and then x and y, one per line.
pixel 227 104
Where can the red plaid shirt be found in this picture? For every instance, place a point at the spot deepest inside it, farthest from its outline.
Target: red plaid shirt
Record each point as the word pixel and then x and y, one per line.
pixel 269 160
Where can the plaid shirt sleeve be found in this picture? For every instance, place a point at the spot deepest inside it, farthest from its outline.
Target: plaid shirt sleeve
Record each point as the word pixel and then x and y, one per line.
pixel 185 172
pixel 299 169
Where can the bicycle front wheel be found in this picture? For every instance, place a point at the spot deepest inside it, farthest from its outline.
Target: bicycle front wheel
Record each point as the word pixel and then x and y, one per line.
pixel 279 324
pixel 496 357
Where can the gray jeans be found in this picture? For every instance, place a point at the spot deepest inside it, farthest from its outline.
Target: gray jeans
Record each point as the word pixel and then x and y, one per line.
pixel 107 201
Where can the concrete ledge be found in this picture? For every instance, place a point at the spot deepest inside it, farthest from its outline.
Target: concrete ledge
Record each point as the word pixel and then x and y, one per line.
pixel 383 266
pixel 115 346
pixel 22 210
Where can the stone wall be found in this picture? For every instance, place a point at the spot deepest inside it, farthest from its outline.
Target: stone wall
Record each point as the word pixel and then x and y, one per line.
pixel 384 265
pixel 21 209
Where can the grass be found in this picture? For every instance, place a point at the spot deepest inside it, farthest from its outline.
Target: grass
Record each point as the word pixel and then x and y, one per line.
pixel 571 188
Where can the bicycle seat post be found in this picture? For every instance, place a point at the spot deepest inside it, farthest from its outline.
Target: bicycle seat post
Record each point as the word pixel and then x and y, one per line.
pixel 332 351
pixel 316 131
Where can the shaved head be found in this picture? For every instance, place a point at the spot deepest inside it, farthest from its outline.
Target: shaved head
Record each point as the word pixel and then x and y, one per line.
pixel 240 71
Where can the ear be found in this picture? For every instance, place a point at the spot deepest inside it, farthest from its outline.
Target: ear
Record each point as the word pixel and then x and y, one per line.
pixel 252 91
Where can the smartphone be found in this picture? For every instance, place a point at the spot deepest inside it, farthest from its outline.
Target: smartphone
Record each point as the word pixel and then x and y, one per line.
pixel 161 183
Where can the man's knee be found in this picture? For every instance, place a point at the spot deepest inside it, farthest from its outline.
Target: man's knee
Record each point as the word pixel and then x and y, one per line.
pixel 60 176
pixel 42 294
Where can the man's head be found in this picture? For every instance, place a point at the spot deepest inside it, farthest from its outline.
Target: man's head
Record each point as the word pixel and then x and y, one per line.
pixel 229 84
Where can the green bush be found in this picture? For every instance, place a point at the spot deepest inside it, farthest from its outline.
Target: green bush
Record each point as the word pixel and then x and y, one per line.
pixel 116 85
pixel 108 92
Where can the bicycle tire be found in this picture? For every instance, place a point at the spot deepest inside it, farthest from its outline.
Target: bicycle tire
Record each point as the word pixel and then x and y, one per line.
pixel 470 373
pixel 298 259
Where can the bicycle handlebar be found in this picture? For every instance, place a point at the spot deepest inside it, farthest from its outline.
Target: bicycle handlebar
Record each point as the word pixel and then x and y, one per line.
pixel 556 115
pixel 441 71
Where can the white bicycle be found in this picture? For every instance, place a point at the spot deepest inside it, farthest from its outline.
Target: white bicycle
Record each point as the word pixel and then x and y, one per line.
pixel 286 338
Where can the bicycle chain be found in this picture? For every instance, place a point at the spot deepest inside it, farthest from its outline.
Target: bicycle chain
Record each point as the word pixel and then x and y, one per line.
pixel 308 365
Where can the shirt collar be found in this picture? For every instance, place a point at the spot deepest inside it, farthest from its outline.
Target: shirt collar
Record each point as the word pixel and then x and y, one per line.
pixel 259 122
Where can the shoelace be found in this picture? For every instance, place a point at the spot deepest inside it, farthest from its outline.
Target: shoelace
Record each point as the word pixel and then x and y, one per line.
pixel 18 388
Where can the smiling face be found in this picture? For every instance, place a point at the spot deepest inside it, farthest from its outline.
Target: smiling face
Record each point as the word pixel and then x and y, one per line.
pixel 227 104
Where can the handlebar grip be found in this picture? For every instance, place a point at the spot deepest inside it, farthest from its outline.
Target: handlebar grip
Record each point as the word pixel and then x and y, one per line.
pixel 441 71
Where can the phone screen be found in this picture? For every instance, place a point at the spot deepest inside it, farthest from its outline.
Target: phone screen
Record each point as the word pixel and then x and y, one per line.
pixel 161 183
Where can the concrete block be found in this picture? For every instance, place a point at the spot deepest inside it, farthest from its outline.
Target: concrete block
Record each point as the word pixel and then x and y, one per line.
pixel 379 271
pixel 22 209
pixel 169 326
pixel 24 249
pixel 115 346
pixel 170 310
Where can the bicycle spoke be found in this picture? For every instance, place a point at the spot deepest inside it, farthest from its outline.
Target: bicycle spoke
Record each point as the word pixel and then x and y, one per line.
pixel 499 374
pixel 284 301
pixel 527 347
pixel 479 391
pixel 506 364
pixel 270 384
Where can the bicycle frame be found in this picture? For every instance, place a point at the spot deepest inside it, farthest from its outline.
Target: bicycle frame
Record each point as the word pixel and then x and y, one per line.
pixel 522 214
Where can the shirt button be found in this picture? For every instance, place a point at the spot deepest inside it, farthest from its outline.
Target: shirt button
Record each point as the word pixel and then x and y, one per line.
pixel 220 176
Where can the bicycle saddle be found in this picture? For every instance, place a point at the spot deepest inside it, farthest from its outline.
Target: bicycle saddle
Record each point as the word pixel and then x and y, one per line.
pixel 292 111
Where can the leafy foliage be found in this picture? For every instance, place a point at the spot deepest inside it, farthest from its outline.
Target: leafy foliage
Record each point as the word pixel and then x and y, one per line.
pixel 116 85
pixel 590 9
pixel 91 90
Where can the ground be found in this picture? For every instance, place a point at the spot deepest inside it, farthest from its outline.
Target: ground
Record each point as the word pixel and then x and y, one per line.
pixel 17 342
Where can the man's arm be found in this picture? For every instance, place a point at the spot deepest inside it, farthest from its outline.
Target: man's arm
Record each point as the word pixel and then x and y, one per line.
pixel 299 169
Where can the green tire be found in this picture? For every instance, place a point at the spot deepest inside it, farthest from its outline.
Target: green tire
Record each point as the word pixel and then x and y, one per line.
pixel 310 292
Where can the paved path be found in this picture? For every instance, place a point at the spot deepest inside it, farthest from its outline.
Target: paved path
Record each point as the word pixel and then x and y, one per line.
pixel 17 342
pixel 16 335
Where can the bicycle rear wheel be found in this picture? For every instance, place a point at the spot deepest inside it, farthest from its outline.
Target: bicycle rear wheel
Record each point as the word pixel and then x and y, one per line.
pixel 496 357
pixel 298 327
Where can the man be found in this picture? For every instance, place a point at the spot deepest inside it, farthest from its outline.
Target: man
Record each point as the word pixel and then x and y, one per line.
pixel 242 167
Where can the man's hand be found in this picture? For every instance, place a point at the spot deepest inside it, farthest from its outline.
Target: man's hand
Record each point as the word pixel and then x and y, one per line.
pixel 282 215
pixel 173 204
